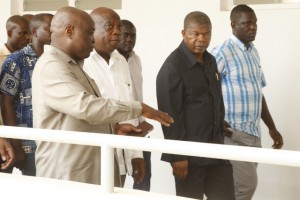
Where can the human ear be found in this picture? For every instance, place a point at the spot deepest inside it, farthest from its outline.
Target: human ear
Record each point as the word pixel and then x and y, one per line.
pixel 34 32
pixel 9 33
pixel 183 33
pixel 69 31
pixel 232 25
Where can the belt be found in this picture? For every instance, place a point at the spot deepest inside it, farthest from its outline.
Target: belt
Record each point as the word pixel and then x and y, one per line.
pixel 29 149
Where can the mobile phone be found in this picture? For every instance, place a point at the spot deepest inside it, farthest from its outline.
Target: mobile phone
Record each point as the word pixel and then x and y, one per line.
pixel 146 128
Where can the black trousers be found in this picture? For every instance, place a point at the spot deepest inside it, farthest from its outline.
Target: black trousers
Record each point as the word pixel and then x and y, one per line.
pixel 215 181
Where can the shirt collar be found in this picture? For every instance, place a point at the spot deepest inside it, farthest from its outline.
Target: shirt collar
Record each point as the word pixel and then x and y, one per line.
pixel 5 51
pixel 131 55
pixel 28 50
pixel 240 44
pixel 64 56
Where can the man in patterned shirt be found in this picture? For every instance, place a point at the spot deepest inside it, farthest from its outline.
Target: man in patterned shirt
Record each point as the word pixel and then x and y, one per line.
pixel 17 29
pixel 242 82
pixel 15 87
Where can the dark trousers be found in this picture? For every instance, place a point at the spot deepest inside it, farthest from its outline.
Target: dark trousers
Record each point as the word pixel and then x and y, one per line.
pixel 145 184
pixel 8 171
pixel 215 181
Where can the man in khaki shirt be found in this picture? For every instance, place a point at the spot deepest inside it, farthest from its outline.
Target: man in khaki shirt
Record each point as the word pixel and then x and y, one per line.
pixel 65 98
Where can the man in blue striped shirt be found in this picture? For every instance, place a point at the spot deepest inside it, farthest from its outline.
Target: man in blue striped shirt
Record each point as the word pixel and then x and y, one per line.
pixel 242 82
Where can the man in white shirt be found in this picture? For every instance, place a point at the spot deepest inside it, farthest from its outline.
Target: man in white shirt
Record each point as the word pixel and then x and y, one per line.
pixel 110 71
pixel 126 46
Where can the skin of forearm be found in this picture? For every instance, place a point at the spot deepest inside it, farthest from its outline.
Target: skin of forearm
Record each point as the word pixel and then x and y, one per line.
pixel 266 116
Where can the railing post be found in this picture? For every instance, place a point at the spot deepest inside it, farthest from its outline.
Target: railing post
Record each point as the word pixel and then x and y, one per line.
pixel 107 169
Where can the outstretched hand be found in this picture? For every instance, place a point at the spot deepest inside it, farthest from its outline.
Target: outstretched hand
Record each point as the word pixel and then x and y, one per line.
pixel 157 115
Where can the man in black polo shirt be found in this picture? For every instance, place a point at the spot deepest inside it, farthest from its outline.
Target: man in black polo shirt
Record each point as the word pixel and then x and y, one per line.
pixel 189 89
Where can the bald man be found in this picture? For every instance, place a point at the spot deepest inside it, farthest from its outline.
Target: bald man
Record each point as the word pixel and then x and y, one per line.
pixel 110 71
pixel 65 98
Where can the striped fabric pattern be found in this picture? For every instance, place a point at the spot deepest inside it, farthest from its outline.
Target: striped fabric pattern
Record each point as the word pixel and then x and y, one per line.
pixel 242 83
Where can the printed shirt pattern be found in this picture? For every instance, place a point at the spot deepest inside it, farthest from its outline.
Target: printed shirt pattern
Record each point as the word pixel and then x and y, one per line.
pixel 15 80
pixel 242 83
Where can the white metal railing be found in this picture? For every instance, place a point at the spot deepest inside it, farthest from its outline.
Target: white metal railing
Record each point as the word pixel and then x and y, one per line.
pixel 108 142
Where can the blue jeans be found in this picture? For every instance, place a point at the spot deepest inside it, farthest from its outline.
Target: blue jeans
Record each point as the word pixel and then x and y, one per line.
pixel 145 184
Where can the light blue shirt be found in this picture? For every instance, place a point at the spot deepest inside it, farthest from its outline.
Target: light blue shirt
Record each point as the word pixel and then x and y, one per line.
pixel 242 82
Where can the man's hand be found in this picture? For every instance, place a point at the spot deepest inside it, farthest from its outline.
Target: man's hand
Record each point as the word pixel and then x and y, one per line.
pixel 123 129
pixel 226 129
pixel 157 115
pixel 19 153
pixel 7 153
pixel 277 138
pixel 180 169
pixel 139 168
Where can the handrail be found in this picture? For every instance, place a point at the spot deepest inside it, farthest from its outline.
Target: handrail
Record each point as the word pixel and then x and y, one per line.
pixel 108 142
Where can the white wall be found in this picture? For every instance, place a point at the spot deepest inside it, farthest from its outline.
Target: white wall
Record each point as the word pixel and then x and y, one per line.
pixel 159 25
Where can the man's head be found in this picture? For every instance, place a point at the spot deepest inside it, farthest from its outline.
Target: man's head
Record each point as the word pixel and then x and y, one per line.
pixel 197 32
pixel 72 31
pixel 18 36
pixel 108 30
pixel 40 29
pixel 128 38
pixel 28 17
pixel 243 23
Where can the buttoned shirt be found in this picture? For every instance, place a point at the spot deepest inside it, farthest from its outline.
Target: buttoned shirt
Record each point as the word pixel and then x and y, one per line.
pixel 15 81
pixel 114 81
pixel 190 92
pixel 242 82
pixel 66 98
pixel 135 68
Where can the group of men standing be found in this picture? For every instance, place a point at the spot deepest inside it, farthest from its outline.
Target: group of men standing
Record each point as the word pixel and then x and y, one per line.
pixel 89 79
pixel 16 78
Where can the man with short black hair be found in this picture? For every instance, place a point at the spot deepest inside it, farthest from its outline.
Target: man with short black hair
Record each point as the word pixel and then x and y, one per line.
pixel 15 88
pixel 245 105
pixel 189 88
pixel 125 47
